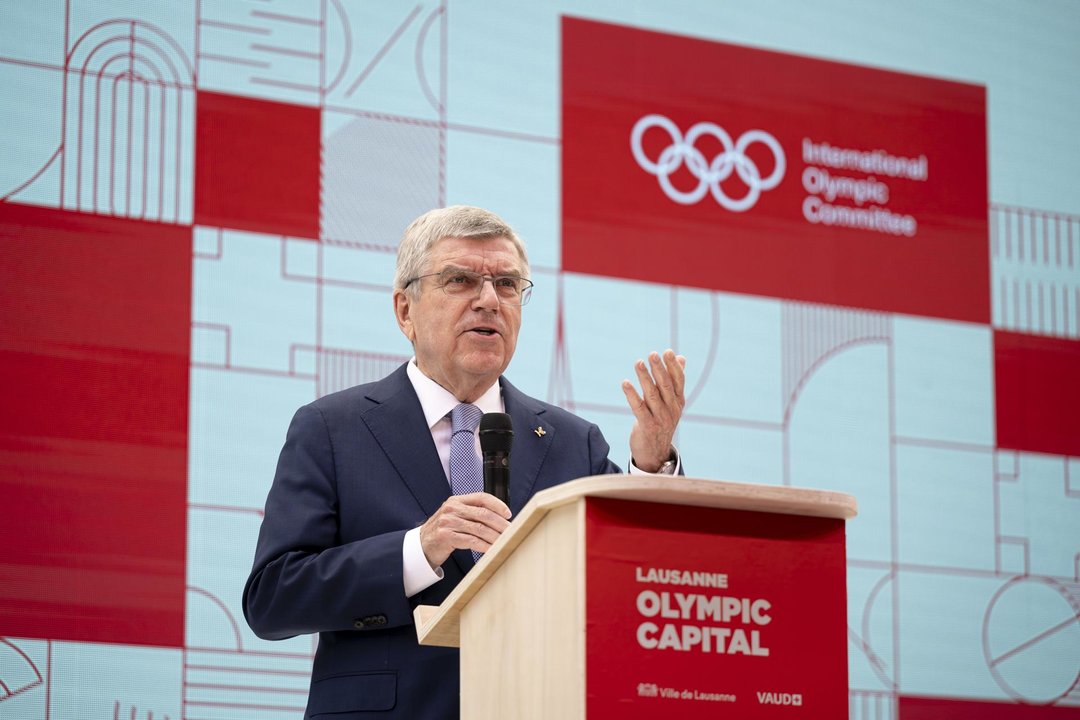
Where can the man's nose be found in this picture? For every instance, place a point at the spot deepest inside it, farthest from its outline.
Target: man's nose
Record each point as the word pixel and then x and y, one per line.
pixel 488 299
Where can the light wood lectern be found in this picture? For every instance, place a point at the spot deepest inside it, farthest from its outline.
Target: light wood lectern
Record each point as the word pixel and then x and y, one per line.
pixel 642 596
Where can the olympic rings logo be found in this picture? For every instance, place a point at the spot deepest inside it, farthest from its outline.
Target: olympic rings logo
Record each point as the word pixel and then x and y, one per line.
pixel 708 173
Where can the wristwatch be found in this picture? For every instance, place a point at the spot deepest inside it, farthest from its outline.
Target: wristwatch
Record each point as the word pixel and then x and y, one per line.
pixel 667 467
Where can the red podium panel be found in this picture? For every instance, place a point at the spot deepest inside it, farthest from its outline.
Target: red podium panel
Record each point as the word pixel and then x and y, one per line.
pixel 700 612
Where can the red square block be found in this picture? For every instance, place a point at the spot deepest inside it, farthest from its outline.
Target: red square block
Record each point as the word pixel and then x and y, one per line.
pixel 94 358
pixel 257 165
pixel 1037 392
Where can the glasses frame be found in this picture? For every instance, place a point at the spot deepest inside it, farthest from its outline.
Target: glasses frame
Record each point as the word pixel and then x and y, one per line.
pixel 526 292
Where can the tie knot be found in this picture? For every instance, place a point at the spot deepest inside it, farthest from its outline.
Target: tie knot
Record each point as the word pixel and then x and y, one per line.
pixel 464 417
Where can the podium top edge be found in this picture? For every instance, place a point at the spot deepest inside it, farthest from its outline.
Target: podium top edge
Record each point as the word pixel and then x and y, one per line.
pixel 702 493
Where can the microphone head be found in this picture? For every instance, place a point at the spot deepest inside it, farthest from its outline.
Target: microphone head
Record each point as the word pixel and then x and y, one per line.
pixel 496 433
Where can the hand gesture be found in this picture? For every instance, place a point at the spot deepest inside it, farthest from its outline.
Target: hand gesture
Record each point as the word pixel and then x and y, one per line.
pixel 657 409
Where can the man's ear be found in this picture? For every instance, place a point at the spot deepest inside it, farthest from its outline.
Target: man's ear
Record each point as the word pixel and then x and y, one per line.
pixel 403 313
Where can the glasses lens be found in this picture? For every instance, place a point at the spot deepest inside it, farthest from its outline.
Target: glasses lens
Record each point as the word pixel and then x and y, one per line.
pixel 511 289
pixel 459 282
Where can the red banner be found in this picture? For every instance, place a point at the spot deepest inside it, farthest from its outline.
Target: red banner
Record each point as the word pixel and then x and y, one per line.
pixel 703 613
pixel 710 165
pixel 96 344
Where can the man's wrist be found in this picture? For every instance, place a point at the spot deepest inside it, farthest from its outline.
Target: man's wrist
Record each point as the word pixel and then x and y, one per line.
pixel 666 467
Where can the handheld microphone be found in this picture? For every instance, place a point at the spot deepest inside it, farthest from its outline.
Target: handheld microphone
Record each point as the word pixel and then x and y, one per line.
pixel 496 437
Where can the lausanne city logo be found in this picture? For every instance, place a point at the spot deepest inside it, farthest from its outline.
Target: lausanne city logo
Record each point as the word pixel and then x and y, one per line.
pixel 709 173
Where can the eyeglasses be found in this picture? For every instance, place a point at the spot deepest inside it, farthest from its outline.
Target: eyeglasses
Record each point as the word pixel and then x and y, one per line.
pixel 510 289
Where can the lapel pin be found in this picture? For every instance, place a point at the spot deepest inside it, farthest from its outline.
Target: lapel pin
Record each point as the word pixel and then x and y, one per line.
pixel 540 431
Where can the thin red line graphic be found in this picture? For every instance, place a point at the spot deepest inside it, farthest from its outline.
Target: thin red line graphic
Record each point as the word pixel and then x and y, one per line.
pixel 1042 318
pixel 1028 305
pixel 131 118
pixel 145 146
pixel 226 508
pixel 1003 302
pixel 48 679
pixel 1068 228
pixel 943 444
pixel 251 653
pixel 347 42
pixel 995 245
pixel 146 26
pixel 444 90
pixel 64 102
pixel 302 87
pixel 178 154
pixel 284 18
pixel 253 371
pixel 225 609
pixel 382 51
pixel 161 155
pixel 79 145
pixel 234 26
pixel 418 61
pixel 198 33
pixel 235 60
pixel 249 688
pixel 1034 238
pixel 1038 638
pixel 243 706
pixel 1020 237
pixel 894 517
pixel 39 173
pixel 1008 235
pixel 305 54
pixel 1053 308
pixel 711 353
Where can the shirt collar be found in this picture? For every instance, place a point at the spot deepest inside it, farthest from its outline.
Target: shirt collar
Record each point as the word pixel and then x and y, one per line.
pixel 437 402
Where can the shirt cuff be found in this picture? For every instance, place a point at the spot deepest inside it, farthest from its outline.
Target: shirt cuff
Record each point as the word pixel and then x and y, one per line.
pixel 415 570
pixel 672 469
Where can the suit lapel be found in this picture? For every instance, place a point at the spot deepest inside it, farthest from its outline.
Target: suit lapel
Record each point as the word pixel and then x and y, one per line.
pixel 530 448
pixel 397 423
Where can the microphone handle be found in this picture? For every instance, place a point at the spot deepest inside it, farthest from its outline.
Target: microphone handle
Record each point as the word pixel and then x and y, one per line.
pixel 497 475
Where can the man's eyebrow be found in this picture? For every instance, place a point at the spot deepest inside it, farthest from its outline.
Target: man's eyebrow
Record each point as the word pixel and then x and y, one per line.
pixel 515 272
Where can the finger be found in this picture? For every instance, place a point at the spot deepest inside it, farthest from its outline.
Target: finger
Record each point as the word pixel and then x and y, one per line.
pixel 485 500
pixel 480 531
pixel 648 388
pixel 637 405
pixel 464 541
pixel 662 376
pixel 451 525
pixel 676 367
pixel 482 517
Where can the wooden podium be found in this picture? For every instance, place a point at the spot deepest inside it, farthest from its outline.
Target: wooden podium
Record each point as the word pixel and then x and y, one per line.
pixel 639 596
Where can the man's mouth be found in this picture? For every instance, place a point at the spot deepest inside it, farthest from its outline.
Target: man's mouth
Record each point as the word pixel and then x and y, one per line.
pixel 484 331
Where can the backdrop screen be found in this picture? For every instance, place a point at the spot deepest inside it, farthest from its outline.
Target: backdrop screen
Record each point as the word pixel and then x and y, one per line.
pixel 861 227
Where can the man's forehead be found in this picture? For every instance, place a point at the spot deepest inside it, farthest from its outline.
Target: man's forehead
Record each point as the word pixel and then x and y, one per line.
pixel 471 251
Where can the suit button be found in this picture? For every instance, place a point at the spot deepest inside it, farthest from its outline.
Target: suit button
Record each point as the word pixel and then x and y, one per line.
pixel 358 624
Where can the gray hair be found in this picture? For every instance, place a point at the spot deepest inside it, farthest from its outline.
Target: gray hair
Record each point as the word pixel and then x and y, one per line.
pixel 456 221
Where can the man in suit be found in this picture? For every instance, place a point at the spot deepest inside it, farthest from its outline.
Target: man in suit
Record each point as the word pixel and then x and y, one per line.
pixel 362 523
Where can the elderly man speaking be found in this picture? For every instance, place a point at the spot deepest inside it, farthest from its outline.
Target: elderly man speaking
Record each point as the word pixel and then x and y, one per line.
pixel 371 511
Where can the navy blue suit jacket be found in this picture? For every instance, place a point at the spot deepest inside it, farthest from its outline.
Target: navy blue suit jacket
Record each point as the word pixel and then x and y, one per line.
pixel 359 469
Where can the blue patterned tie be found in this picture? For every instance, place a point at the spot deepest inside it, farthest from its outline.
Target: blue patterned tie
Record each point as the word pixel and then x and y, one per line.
pixel 466 471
